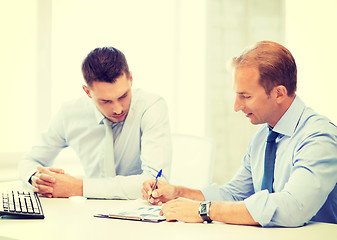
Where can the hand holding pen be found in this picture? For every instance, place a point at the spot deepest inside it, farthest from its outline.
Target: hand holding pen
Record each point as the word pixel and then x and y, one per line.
pixel 155 184
pixel 158 192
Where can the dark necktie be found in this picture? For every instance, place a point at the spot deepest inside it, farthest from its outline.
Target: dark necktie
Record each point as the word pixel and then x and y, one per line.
pixel 269 162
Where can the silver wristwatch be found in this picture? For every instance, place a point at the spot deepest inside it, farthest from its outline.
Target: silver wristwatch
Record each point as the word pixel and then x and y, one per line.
pixel 204 211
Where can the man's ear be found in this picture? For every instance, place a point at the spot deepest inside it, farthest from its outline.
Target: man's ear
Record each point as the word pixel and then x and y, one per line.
pixel 281 93
pixel 86 90
pixel 131 79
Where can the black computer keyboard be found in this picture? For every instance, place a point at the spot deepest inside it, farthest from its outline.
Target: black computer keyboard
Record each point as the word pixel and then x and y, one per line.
pixel 20 204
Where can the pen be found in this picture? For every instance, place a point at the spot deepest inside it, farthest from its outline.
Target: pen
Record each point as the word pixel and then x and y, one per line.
pixel 155 184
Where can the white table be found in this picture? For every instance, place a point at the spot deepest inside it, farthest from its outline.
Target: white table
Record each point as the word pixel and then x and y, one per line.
pixel 73 219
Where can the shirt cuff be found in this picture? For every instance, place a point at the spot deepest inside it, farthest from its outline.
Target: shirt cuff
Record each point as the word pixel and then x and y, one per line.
pixel 261 208
pixel 25 176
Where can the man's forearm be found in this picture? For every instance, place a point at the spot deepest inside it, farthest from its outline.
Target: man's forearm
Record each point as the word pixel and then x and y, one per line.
pixel 189 193
pixel 231 212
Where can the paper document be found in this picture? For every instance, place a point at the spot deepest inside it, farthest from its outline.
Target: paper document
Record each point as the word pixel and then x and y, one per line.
pixel 138 210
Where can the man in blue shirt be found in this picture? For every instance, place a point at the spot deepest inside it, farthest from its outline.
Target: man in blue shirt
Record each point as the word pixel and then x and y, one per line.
pixel 303 187
pixel 138 146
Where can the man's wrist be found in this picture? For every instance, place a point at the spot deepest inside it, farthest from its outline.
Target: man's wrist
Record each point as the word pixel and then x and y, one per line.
pixel 188 193
pixel 79 191
pixel 178 192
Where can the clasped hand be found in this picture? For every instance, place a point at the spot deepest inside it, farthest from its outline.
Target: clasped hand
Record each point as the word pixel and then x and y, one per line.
pixel 53 182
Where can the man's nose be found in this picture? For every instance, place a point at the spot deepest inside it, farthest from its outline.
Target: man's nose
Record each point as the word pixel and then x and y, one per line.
pixel 117 108
pixel 238 105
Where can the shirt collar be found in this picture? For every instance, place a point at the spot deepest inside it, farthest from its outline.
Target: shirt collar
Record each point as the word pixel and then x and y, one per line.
pixel 289 121
pixel 99 116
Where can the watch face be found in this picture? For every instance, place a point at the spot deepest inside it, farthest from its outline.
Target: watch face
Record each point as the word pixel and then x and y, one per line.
pixel 204 211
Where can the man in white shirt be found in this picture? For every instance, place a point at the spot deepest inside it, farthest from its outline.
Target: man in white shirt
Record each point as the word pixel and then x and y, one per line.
pixel 140 139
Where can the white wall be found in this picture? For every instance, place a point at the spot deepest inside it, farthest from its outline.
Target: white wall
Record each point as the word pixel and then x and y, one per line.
pixel 232 27
pixel 18 71
pixel 165 44
pixel 44 42
pixel 311 37
pixel 163 41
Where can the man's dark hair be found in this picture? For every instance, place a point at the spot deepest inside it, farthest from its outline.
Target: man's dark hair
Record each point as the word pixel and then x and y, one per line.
pixel 104 65
pixel 275 63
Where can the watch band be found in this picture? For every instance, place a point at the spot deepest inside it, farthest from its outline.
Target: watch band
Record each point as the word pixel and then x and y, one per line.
pixel 204 211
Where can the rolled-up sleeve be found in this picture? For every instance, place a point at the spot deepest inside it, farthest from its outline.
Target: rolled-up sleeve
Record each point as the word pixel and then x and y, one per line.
pixel 312 178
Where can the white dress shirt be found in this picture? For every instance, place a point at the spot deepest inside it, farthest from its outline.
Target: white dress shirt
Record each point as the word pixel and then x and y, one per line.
pixel 142 145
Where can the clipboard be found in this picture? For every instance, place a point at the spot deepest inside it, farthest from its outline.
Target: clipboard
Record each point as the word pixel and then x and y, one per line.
pixel 132 218
pixel 137 211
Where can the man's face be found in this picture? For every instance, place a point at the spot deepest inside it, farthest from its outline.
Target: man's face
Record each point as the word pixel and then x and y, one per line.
pixel 112 99
pixel 252 99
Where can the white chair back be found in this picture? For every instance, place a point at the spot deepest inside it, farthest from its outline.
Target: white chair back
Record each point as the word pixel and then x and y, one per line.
pixel 192 160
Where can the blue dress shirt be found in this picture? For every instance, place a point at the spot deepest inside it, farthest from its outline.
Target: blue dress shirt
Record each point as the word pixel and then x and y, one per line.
pixel 142 145
pixel 305 173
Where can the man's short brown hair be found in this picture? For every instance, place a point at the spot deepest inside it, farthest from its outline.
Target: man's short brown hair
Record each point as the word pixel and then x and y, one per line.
pixel 275 63
pixel 104 65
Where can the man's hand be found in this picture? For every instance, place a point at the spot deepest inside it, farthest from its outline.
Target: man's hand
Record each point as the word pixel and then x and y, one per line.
pixel 43 180
pixel 182 209
pixel 52 182
pixel 163 193
pixel 67 186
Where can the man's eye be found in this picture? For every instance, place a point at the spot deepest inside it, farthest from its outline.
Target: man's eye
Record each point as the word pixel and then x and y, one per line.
pixel 244 97
pixel 122 97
